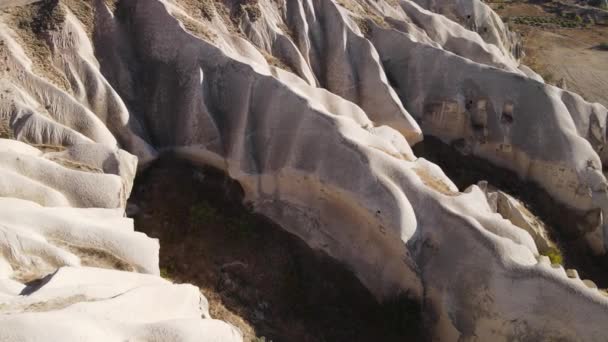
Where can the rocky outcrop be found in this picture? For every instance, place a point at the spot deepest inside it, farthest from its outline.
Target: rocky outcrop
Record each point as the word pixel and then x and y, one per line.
pixel 91 304
pixel 312 107
pixel 515 211
pixel 72 268
pixel 478 17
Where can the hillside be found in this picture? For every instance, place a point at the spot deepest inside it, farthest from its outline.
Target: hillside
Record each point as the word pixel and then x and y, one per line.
pixel 291 170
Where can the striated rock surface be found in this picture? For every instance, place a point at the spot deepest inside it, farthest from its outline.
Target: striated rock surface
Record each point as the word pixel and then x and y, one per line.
pixel 312 107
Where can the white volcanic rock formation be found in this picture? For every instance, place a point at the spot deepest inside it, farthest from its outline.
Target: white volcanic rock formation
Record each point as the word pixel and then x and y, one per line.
pixel 92 304
pixel 515 211
pixel 312 107
pixel 70 262
pixel 478 17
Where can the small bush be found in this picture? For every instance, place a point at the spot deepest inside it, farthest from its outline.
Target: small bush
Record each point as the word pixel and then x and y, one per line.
pixel 239 225
pixel 164 273
pixel 555 255
pixel 202 213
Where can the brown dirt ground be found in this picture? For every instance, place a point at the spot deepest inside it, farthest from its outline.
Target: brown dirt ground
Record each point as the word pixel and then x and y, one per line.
pixel 255 275
pixel 568 54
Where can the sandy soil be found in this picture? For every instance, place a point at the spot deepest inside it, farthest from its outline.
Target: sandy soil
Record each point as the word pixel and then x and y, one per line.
pixel 568 54
pixel 571 55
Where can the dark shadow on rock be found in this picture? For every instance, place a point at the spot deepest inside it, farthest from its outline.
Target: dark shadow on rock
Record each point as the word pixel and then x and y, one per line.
pixel 564 223
pixel 270 278
pixel 35 285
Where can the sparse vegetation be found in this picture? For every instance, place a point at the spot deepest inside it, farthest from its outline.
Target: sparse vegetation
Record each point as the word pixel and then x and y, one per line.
pixel 83 10
pixel 207 9
pixel 6 131
pixel 555 255
pixel 433 182
pixel 46 16
pixel 164 273
pixel 547 21
pixel 196 28
pixel 237 225
pixel 203 213
pixel 256 275
pixel 603 4
pixel 363 26
pixel 33 24
pixel 252 10
pixel 548 77
pixel 276 62
pixel 76 165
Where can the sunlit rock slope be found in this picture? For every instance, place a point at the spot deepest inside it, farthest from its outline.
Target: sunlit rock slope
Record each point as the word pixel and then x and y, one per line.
pixel 312 106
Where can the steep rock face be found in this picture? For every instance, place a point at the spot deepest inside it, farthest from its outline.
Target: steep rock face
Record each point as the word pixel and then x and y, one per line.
pixel 493 120
pixel 398 210
pixel 55 94
pixel 478 17
pixel 323 150
pixel 414 51
pixel 71 264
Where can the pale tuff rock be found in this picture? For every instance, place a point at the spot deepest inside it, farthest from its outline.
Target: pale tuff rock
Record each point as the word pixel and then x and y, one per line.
pixel 65 101
pixel 485 112
pixel 69 273
pixel 89 304
pixel 516 212
pixel 237 85
pixel 42 237
pixel 478 17
pixel 69 115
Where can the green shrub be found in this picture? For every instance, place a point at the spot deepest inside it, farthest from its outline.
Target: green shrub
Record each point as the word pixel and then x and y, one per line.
pixel 555 255
pixel 164 273
pixel 240 225
pixel 202 213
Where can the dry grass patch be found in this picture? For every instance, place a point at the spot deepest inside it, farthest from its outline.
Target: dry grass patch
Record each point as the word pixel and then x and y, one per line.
pixel 74 165
pixel 276 62
pixel 95 257
pixel 49 148
pixel 5 130
pixel 83 10
pixel 251 9
pixel 112 4
pixel 434 183
pixel 200 9
pixel 196 28
pixel 34 24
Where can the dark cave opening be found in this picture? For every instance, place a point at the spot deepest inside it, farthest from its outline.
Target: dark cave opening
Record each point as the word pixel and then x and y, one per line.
pixel 466 170
pixel 257 276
